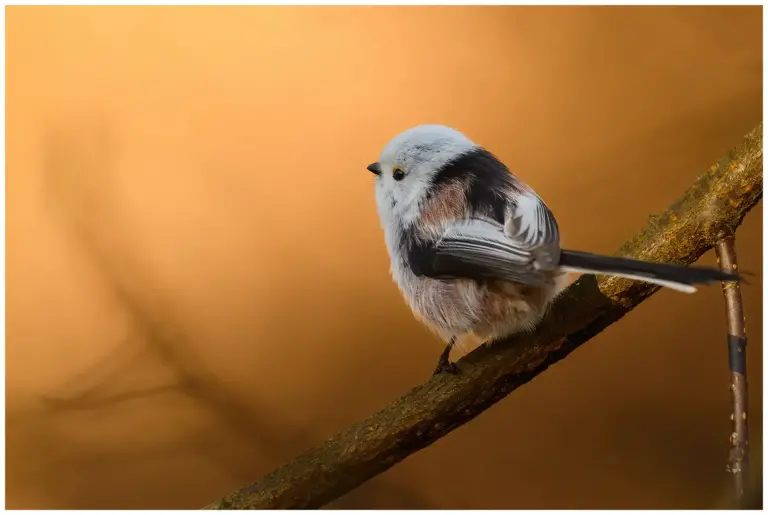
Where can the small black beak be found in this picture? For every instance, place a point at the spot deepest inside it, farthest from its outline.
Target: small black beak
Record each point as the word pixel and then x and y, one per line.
pixel 374 168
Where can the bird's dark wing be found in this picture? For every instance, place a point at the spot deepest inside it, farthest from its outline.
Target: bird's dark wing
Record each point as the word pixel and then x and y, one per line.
pixel 475 249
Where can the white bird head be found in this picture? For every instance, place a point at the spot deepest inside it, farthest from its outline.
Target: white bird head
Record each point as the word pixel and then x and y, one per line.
pixel 409 162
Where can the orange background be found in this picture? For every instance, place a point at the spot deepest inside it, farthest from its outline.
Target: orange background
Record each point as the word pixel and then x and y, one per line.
pixel 198 288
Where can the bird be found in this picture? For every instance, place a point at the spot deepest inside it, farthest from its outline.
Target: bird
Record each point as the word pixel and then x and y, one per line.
pixel 474 250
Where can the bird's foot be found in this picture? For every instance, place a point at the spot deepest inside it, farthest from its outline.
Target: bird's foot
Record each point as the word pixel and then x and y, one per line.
pixel 444 364
pixel 450 367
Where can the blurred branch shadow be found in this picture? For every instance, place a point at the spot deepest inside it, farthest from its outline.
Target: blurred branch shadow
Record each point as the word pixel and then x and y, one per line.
pixel 78 177
pixel 86 390
pixel 79 186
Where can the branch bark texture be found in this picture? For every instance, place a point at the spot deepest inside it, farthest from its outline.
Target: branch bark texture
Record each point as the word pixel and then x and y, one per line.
pixel 738 457
pixel 713 206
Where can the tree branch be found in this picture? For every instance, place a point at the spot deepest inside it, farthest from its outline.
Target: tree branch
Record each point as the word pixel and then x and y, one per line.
pixel 714 206
pixel 738 457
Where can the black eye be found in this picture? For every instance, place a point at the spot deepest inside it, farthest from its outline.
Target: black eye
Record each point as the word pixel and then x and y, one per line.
pixel 398 174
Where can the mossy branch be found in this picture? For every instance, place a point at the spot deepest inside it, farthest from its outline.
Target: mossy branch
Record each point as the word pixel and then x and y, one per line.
pixel 713 206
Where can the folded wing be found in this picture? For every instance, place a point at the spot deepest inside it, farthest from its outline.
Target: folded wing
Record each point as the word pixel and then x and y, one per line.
pixel 475 249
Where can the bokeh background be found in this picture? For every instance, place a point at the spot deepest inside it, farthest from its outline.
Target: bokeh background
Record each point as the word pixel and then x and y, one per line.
pixel 198 288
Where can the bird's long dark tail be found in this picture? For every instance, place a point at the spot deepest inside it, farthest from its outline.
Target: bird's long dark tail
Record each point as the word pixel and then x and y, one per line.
pixel 677 277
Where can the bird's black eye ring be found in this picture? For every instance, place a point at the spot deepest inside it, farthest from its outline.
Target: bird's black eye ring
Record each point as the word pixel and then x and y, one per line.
pixel 398 174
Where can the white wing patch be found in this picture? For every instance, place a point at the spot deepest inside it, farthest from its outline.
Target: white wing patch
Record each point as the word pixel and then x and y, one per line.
pixel 533 225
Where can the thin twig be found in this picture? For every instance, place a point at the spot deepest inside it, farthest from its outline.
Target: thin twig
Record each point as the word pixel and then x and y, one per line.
pixel 738 457
pixel 715 204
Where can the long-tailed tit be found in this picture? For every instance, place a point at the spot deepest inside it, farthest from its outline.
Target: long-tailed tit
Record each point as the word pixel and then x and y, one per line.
pixel 473 249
